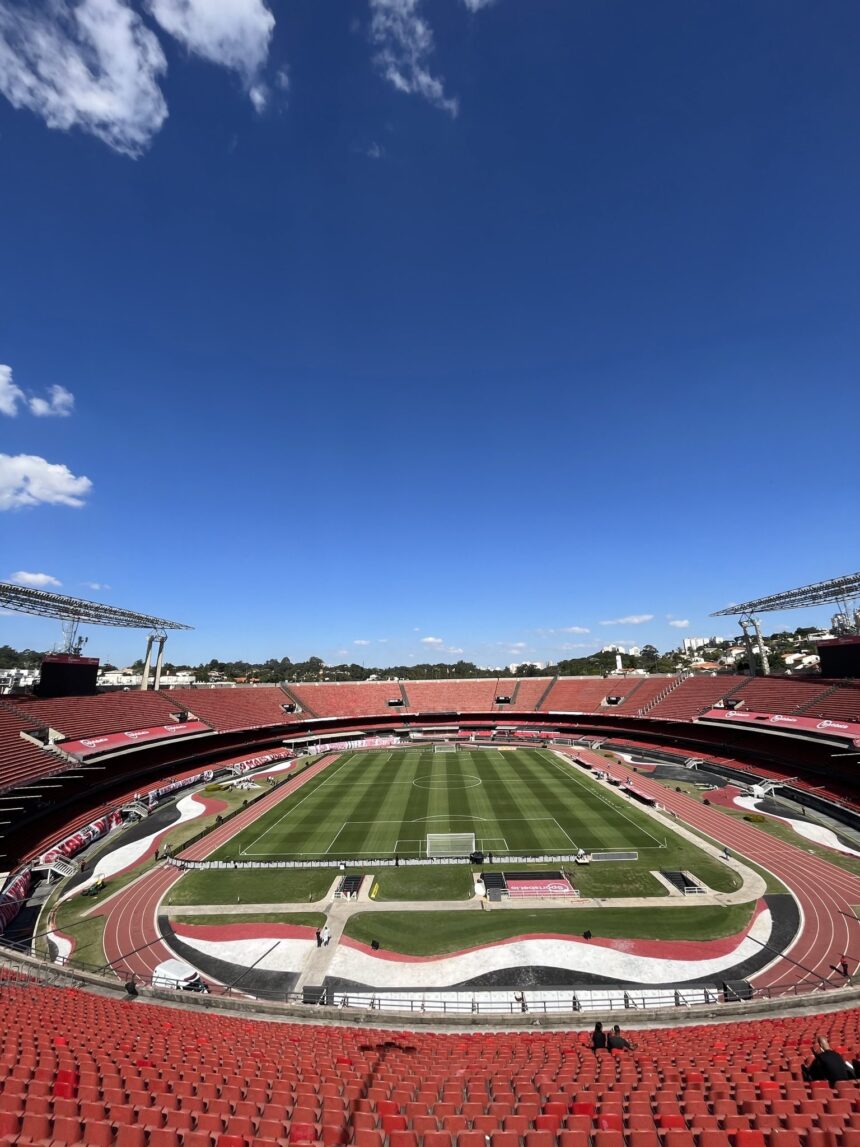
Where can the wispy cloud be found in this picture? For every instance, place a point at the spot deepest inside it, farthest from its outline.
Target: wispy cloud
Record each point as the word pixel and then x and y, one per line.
pixel 631 619
pixel 574 629
pixel 59 404
pixel 34 580
pixel 477 5
pixel 28 480
pixel 96 585
pixel 361 641
pixel 679 623
pixel 93 65
pixel 404 43
pixel 432 641
pixel 375 150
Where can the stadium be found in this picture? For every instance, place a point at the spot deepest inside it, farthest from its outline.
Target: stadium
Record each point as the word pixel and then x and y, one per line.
pixel 390 856
pixel 546 847
pixel 475 354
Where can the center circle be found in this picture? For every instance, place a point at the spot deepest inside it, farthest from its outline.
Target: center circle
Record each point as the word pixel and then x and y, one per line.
pixel 460 781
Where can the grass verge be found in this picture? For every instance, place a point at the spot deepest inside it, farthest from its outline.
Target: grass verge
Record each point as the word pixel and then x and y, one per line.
pixel 434 933
pixel 299 919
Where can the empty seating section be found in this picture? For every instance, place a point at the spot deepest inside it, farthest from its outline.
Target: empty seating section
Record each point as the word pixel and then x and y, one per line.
pixel 104 713
pixel 841 705
pixel 642 694
pixel 526 693
pixel 693 696
pixel 778 694
pixel 584 694
pixel 20 760
pixel 229 709
pixel 455 696
pixel 351 699
pixel 81 1070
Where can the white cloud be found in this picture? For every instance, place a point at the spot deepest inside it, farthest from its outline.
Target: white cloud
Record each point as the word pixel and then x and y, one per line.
pixel 28 480
pixel 631 619
pixel 477 5
pixel 575 629
pixel 404 41
pixel 516 645
pixel 375 151
pixel 34 580
pixel 679 623
pixel 432 641
pixel 92 65
pixel 361 641
pixel 234 34
pixel 10 394
pixel 59 404
pixel 96 585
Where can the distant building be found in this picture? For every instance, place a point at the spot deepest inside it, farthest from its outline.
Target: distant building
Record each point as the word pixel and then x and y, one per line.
pixel 529 664
pixel 691 644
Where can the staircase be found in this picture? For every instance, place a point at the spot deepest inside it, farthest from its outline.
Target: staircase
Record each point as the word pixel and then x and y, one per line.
pixel 816 700
pixel 59 867
pixel 662 695
pixel 407 704
pixel 301 707
pixel 513 703
pixel 136 808
pixel 545 694
pixel 741 685
pixel 627 696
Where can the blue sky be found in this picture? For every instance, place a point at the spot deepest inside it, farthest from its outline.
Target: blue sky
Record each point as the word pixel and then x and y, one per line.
pixel 400 320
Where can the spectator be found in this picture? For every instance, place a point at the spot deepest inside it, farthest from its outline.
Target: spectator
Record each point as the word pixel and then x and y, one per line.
pixel 826 1063
pixel 598 1037
pixel 617 1042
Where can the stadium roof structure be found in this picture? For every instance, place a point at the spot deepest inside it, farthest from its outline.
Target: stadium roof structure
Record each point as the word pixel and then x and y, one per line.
pixel 77 610
pixel 838 590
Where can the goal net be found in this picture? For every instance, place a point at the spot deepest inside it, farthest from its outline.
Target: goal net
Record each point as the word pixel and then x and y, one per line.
pixel 445 748
pixel 450 843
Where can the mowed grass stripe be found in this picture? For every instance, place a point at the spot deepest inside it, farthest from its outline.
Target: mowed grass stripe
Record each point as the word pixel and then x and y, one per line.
pixel 265 827
pixel 521 807
pixel 358 818
pixel 385 827
pixel 551 802
pixel 312 827
pixel 604 808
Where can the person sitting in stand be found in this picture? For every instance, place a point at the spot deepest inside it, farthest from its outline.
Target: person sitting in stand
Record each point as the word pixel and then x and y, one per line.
pixel 617 1042
pixel 598 1037
pixel 826 1063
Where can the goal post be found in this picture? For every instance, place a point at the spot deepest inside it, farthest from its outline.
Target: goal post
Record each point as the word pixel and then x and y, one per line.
pixel 445 747
pixel 450 843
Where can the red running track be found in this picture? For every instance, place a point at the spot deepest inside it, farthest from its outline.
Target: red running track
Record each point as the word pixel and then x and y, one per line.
pixel 132 942
pixel 824 891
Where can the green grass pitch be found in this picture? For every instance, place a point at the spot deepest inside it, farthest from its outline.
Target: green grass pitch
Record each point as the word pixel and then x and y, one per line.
pixel 381 804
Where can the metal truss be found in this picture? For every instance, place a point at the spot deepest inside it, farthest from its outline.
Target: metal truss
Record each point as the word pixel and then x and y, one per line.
pixel 839 590
pixel 77 610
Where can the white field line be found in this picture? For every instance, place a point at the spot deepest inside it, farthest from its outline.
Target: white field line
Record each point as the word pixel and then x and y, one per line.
pixel 337 772
pixel 567 834
pixel 568 772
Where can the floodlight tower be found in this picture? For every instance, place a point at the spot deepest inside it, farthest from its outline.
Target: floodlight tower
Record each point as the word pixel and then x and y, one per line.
pixel 749 622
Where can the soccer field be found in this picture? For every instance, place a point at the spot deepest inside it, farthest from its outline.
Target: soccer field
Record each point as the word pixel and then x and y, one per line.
pixel 381 804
